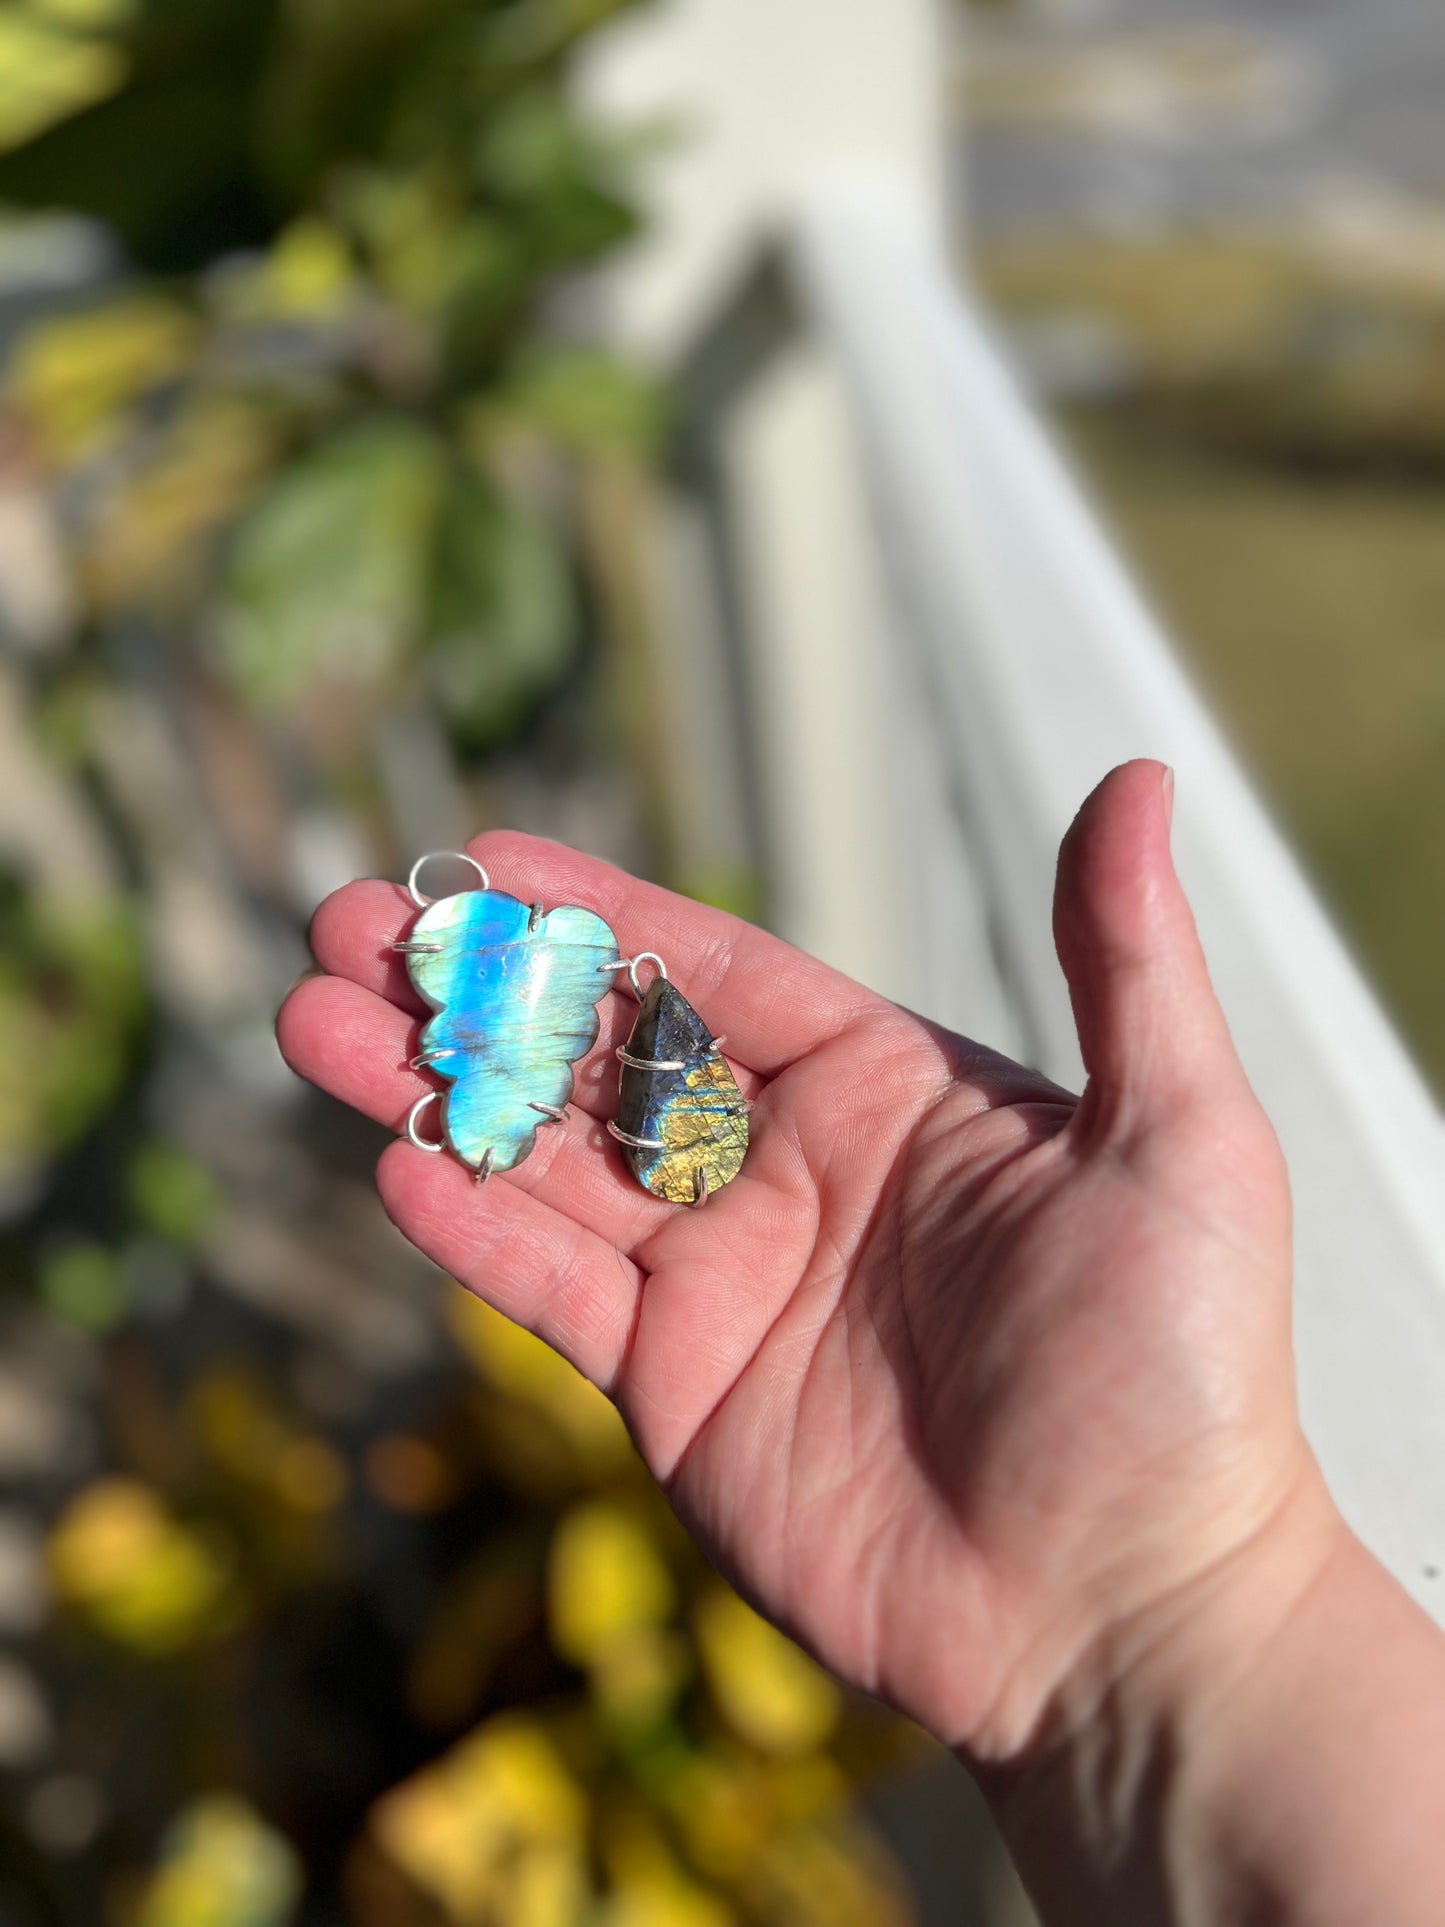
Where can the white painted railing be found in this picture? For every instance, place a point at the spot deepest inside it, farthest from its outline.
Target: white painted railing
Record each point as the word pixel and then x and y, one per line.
pixel 934 654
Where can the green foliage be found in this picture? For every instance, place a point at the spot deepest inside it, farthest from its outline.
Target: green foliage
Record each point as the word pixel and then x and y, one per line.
pixel 82 1285
pixel 587 401
pixel 274 105
pixel 48 71
pixel 327 577
pixel 502 615
pixel 72 1012
pixel 303 440
pixel 173 1195
pixel 314 472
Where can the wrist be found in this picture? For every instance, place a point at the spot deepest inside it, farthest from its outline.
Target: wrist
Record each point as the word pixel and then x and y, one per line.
pixel 1110 1803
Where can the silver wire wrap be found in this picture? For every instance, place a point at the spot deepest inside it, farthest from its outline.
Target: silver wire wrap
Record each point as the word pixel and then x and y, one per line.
pixel 454 856
pixel 484 1169
pixel 424 1059
pixel 551 1113
pixel 629 964
pixel 701 1198
pixel 624 1056
pixel 422 1143
pixel 637 1143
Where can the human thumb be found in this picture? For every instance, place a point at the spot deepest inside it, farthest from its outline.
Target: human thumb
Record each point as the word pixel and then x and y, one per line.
pixel 1153 1037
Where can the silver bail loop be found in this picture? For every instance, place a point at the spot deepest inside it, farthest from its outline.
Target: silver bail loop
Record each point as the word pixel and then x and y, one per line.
pixel 433 856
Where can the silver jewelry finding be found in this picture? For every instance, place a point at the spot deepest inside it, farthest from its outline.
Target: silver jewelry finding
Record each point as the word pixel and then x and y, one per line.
pixel 453 856
pixel 422 1143
pixel 629 964
pixel 637 1143
pixel 625 1056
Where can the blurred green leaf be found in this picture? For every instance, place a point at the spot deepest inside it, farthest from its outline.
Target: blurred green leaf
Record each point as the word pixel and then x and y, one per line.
pixel 328 578
pixel 534 34
pixel 173 1194
pixel 71 1011
pixel 530 148
pixel 588 400
pixel 545 166
pixel 48 73
pixel 83 1285
pixel 504 615
pixel 86 16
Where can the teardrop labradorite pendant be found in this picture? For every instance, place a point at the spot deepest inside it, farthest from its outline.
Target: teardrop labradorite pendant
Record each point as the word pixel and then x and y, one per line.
pixel 682 1121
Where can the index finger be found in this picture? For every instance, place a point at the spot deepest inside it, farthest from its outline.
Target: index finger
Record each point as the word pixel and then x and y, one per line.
pixel 773 1003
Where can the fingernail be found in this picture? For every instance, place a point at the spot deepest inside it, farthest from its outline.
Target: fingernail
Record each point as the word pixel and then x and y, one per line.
pixel 1167 786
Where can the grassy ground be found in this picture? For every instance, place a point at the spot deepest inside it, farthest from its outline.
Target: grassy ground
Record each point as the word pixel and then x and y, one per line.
pixel 1313 616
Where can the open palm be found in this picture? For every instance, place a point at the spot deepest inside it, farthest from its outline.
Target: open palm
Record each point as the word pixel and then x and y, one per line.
pixel 960 1371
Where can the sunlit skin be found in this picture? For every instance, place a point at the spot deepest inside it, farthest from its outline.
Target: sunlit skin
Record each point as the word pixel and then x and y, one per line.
pixel 982 1391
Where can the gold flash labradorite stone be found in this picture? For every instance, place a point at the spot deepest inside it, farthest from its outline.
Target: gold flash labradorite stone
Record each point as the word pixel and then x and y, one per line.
pixel 694 1115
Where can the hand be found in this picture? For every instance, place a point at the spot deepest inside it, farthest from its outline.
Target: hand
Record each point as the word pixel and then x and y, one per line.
pixel 963 1378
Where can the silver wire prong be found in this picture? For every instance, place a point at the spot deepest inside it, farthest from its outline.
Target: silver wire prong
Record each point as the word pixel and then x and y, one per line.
pixel 637 1143
pixel 534 917
pixel 701 1198
pixel 484 1169
pixel 551 1113
pixel 409 949
pixel 624 1056
pixel 424 1059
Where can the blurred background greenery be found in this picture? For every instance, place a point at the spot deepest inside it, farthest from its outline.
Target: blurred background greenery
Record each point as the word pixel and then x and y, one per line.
pixel 329 1595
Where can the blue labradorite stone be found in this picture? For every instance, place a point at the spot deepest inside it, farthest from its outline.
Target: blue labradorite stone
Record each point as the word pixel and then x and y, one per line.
pixel 516 1006
pixel 696 1114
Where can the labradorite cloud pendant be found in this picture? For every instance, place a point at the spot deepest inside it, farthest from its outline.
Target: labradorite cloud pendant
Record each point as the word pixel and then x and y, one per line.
pixel 681 1119
pixel 515 991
